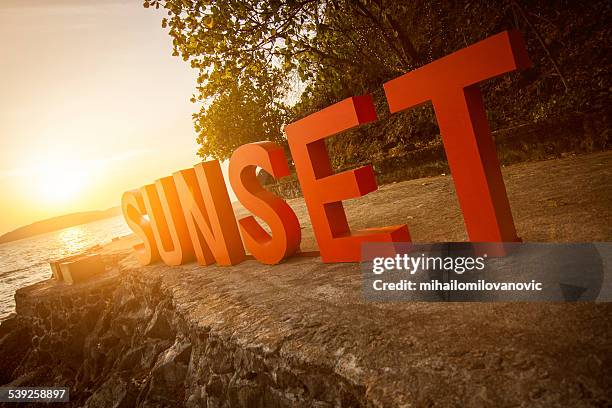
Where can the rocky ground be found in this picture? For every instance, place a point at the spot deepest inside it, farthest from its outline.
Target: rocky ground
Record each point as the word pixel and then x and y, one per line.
pixel 300 334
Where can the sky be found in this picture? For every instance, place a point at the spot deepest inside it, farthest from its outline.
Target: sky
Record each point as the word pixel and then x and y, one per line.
pixel 92 104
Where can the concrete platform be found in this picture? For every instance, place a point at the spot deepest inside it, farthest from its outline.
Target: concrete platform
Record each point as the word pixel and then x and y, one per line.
pixel 300 334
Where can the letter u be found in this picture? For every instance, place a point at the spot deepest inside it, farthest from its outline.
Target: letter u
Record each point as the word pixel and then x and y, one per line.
pixel 167 222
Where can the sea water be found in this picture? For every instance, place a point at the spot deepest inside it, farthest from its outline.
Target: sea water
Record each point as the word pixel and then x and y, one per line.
pixel 26 261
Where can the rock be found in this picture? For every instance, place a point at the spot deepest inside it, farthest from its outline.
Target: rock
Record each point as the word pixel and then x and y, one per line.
pixel 159 327
pixel 116 392
pixel 132 358
pixel 170 369
pixel 195 400
pixel 15 340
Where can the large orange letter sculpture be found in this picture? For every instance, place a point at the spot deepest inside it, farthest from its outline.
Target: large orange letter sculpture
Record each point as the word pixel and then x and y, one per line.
pixel 190 213
pixel 209 215
pixel 285 236
pixel 324 191
pixel 169 226
pixel 133 208
pixel 451 83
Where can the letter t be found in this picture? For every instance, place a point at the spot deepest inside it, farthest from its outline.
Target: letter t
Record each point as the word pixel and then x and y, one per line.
pixel 451 83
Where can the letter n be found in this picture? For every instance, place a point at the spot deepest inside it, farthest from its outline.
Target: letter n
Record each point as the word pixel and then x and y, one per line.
pixel 209 215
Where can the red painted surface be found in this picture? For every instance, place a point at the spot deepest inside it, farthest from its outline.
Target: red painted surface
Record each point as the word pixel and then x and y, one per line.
pixel 285 236
pixel 324 191
pixel 451 84
pixel 208 212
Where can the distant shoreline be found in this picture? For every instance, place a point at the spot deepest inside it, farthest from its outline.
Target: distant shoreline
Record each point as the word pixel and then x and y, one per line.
pixel 58 223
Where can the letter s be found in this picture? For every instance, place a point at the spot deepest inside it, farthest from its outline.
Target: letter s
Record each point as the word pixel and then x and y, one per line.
pixel 284 225
pixel 133 208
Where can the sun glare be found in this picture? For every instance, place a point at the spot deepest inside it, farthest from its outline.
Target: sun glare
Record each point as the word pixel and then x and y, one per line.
pixel 61 181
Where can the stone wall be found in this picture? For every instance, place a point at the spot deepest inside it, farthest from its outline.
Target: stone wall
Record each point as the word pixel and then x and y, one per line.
pixel 118 340
pixel 295 336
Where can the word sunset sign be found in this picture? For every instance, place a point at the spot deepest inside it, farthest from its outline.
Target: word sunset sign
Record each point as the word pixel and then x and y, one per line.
pixel 188 216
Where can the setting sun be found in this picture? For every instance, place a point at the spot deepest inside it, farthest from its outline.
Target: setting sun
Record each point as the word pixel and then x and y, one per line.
pixel 61 182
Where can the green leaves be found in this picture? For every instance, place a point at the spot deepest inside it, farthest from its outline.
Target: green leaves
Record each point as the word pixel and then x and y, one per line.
pixel 240 115
pixel 248 53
